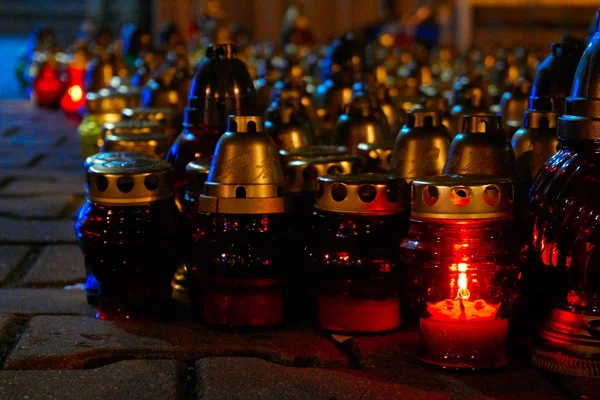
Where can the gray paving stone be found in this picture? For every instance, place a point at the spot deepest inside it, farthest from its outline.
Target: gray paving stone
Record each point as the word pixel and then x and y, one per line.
pixel 12 158
pixel 43 174
pixel 36 231
pixel 44 301
pixel 35 207
pixel 10 258
pixel 251 378
pixel 63 161
pixel 61 264
pixel 72 342
pixel 30 187
pixel 132 379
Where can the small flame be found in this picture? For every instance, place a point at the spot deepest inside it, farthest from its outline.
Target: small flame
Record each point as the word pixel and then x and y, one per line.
pixel 75 93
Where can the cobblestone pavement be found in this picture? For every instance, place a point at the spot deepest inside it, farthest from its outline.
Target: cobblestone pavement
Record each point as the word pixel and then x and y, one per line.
pixel 52 347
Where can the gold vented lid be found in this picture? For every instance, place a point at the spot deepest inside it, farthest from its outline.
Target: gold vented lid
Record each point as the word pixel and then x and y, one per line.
pixel 462 197
pixel 112 101
pixel 162 115
pixel 303 153
pixel 245 175
pixel 481 149
pixel 535 142
pixel 376 157
pixel 130 182
pixel 113 156
pixel 154 143
pixel 421 146
pixel 131 126
pixel 362 194
pixel 302 174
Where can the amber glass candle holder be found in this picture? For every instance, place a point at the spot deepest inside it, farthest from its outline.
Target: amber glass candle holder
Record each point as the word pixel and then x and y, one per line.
pixel 352 259
pixel 462 269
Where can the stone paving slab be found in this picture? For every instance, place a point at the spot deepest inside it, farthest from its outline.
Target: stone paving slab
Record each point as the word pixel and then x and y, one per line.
pixel 251 378
pixel 30 188
pixel 57 265
pixel 36 231
pixel 134 379
pixel 10 258
pixel 69 342
pixel 35 207
pixel 44 174
pixel 44 301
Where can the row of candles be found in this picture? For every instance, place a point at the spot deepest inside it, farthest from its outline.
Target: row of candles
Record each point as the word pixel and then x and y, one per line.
pixel 279 226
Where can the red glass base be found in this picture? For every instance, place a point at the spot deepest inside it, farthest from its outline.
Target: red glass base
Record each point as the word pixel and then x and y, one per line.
pixel 348 314
pixel 135 300
pixel 244 303
pixel 475 344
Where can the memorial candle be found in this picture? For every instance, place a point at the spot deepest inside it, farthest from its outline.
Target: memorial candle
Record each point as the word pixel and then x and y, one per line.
pixel 461 260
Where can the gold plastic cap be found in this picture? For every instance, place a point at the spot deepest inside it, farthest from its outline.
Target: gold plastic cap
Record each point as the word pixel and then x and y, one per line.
pixel 245 175
pixel 130 182
pixel 162 115
pixel 154 144
pixel 481 149
pixel 362 194
pixel 462 197
pixel 109 101
pixel 307 152
pixel 302 174
pixel 113 156
pixel 131 126
pixel 376 157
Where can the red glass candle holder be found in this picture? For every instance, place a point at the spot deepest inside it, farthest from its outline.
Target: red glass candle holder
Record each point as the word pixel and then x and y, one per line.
pixel 239 269
pixel 132 236
pixel 353 267
pixel 462 268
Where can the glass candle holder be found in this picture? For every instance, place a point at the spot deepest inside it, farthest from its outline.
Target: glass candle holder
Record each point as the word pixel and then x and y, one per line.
pixel 132 237
pixel 353 267
pixel 240 267
pixel 462 269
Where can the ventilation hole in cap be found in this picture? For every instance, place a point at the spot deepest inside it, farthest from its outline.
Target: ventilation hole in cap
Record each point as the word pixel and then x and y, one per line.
pixel 151 182
pixel 411 120
pixel 428 122
pixel 290 176
pixel 338 192
pixel 389 159
pixel 391 192
pixel 319 190
pixel 233 126
pixel 240 192
pixel 367 193
pixel 430 195
pixel 511 193
pixel 125 184
pixel 279 191
pixel 335 170
pixel 544 123
pixel 251 127
pixel 101 183
pixel 491 195
pixel 309 174
pixel 461 196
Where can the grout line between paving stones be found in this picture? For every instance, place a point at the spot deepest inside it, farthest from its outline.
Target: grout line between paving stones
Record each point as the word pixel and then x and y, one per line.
pixel 187 381
pixel 17 274
pixel 11 131
pixel 10 337
pixel 35 160
pixel 62 140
